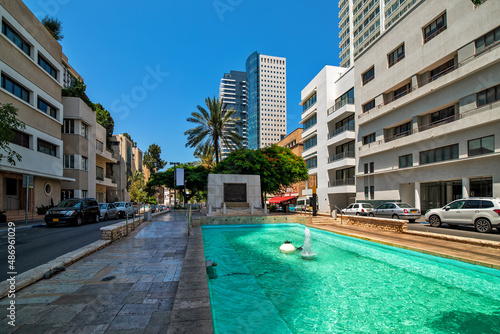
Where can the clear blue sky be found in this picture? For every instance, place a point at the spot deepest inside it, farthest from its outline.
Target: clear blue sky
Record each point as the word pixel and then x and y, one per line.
pixel 188 45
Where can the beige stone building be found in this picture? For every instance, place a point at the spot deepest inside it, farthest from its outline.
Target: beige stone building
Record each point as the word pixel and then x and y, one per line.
pixel 293 141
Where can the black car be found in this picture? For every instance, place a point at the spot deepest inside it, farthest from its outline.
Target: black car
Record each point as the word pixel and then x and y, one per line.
pixel 74 210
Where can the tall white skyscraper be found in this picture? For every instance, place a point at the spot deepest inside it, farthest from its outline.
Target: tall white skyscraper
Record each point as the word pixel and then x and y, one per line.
pixel 266 99
pixel 362 21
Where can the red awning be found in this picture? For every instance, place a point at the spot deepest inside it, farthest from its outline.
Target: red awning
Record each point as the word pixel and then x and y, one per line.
pixel 281 199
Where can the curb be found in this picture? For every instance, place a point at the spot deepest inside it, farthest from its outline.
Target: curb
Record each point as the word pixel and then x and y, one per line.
pixel 470 241
pixel 33 275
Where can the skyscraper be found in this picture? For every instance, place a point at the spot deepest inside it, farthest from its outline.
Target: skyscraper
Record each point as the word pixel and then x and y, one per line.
pixel 233 91
pixel 266 99
pixel 362 21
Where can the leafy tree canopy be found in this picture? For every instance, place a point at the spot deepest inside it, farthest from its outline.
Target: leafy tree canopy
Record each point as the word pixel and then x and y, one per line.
pixel 54 26
pixel 104 118
pixel 77 89
pixel 152 159
pixel 8 122
pixel 126 135
pixel 137 187
pixel 195 177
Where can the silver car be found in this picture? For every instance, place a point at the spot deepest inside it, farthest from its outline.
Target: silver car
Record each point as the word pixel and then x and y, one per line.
pixel 125 209
pixel 108 211
pixel 358 209
pixel 396 211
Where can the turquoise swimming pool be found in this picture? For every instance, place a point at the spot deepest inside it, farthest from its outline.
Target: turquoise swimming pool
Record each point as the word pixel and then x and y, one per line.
pixel 351 286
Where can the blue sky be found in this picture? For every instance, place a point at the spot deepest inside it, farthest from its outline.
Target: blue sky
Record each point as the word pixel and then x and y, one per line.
pixel 152 63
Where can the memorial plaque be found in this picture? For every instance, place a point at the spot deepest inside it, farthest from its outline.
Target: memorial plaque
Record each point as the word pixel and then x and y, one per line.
pixel 235 192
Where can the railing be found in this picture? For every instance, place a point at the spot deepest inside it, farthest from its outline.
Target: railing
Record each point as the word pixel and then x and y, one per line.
pixel 435 33
pixel 341 182
pixel 338 105
pixel 344 128
pixel 343 155
pixel 99 171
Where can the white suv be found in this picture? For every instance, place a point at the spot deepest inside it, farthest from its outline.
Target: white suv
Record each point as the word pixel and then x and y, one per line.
pixel 481 212
pixel 358 209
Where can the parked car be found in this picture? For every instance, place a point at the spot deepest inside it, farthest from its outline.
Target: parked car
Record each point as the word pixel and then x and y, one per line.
pixel 396 211
pixel 358 209
pixel 75 211
pixel 125 209
pixel 108 211
pixel 481 212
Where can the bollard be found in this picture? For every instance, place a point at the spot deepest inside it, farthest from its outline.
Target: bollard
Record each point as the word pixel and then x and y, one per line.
pixel 224 209
pixel 209 209
pixel 265 208
pixel 251 208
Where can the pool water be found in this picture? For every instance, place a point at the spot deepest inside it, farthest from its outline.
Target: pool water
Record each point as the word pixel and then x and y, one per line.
pixel 351 286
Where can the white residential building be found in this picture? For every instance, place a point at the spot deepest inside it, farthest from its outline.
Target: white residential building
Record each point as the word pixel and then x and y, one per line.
pixel 329 136
pixel 428 106
pixel 266 76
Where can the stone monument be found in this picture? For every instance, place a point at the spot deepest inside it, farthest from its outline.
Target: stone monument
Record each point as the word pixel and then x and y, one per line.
pixel 234 190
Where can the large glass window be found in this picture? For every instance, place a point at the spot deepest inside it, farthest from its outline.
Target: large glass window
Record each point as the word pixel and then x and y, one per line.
pixel 402 91
pixel 47 67
pixel 13 87
pixel 310 142
pixel 406 161
pixel 20 138
pixel 312 163
pixel 310 101
pixel 368 75
pixel 488 40
pixel 47 148
pixel 488 96
pixel 443 116
pixel 69 161
pixel 368 106
pixel 435 28
pixel 481 187
pixel 396 56
pixel 15 38
pixel 99 173
pixel 310 122
pixel 439 154
pixel 402 130
pixel 480 146
pixel 69 126
pixel 346 98
pixel 344 176
pixel 47 108
pixel 442 70
pixel 369 138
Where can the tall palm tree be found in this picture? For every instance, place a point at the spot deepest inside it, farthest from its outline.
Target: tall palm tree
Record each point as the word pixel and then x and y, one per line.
pixel 214 127
pixel 206 155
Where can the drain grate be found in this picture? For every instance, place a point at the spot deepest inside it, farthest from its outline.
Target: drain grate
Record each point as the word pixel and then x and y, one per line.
pixel 109 278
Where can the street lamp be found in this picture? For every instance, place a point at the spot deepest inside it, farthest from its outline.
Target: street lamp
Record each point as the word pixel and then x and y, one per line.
pixel 175 182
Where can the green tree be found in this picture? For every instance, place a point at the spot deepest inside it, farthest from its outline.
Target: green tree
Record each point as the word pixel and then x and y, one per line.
pixel 195 177
pixel 137 187
pixel 8 123
pixel 103 117
pixel 214 127
pixel 206 155
pixel 126 135
pixel 152 158
pixel 77 89
pixel 54 26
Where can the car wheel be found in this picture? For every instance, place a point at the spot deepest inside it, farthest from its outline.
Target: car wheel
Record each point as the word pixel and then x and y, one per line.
pixel 357 213
pixel 96 219
pixel 434 221
pixel 483 225
pixel 371 214
pixel 78 221
pixel 395 216
pixel 105 216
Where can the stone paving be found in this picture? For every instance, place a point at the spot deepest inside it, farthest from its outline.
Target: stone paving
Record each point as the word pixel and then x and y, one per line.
pixel 128 287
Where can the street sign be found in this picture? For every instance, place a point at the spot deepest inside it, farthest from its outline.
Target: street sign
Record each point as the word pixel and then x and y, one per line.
pixel 27 181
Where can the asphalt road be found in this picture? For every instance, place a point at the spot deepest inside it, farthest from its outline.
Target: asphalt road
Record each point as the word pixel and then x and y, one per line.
pixel 460 231
pixel 39 245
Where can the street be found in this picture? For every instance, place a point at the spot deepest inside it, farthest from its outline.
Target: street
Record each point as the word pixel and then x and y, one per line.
pixel 39 245
pixel 460 231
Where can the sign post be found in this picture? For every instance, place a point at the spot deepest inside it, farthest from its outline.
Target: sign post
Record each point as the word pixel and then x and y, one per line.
pixel 27 183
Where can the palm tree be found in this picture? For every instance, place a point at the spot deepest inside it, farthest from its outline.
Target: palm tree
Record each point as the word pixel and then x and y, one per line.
pixel 206 155
pixel 214 127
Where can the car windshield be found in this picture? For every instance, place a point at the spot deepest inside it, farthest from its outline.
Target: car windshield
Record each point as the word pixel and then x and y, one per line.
pixel 103 206
pixel 69 203
pixel 405 206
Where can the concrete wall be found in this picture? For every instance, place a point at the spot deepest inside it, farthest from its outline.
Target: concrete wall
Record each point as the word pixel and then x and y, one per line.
pixel 215 196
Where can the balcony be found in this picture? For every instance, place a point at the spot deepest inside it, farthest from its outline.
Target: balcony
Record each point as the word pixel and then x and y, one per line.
pixel 107 182
pixel 341 182
pixel 342 129
pixel 106 154
pixel 340 156
pixel 339 105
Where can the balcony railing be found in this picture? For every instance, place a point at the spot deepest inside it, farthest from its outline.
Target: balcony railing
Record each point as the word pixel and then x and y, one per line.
pixel 99 171
pixel 338 105
pixel 341 182
pixel 340 156
pixel 344 128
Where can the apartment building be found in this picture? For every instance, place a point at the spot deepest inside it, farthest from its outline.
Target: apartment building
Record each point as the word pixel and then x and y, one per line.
pixel 428 106
pixel 31 73
pixel 329 136
pixel 233 91
pixel 266 99
pixel 293 141
pixel 362 21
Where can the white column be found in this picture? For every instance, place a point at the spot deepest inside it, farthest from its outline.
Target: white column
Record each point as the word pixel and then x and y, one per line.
pixel 224 208
pixel 465 187
pixel 417 195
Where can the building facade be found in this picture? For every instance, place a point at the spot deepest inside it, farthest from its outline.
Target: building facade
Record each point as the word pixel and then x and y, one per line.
pixel 31 73
pixel 362 21
pixel 266 76
pixel 328 136
pixel 233 91
pixel 293 141
pixel 427 106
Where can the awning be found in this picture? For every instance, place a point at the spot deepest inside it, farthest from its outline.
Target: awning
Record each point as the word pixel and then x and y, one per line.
pixel 281 199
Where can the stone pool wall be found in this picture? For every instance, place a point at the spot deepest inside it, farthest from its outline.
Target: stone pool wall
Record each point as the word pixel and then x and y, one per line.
pixel 248 220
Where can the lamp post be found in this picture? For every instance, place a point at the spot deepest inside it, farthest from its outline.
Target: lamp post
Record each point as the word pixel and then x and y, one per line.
pixel 175 183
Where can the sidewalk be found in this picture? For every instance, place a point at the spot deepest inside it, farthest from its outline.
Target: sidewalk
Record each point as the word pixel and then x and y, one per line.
pixel 128 287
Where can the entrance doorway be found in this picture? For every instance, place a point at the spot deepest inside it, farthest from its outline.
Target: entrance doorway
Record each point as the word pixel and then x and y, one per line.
pixel 438 194
pixel 11 194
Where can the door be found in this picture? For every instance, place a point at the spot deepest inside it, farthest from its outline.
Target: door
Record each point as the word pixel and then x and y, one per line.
pixel 85 211
pixel 391 209
pixel 454 213
pixel 11 198
pixel 381 211
pixel 348 209
pixel 470 209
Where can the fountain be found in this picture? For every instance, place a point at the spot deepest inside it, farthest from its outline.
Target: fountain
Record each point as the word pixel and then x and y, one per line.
pixel 307 249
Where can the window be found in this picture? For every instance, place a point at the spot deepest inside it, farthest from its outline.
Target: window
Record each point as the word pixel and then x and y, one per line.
pixel 480 146
pixel 402 130
pixel 366 168
pixel 346 98
pixel 309 102
pixel 439 154
pixel 435 28
pixel 372 192
pixel 48 189
pixel 443 116
pixel 372 167
pixel 47 148
pixel 368 76
pixel 310 142
pixel 442 70
pixel 66 194
pixel 47 108
pixel 310 122
pixel 47 67
pixel 488 40
pixel 69 126
pixel 99 173
pixel 69 161
pixel 406 161
pixel 396 55
pixel 84 194
pixel 20 138
pixel 312 163
pixel 16 38
pixel 13 87
pixel 488 96
pixel 344 176
pixel 369 106
pixel 402 91
pixel 99 146
pixel 85 163
pixel 366 192
pixel 481 187
pixel 85 130
pixel 369 139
